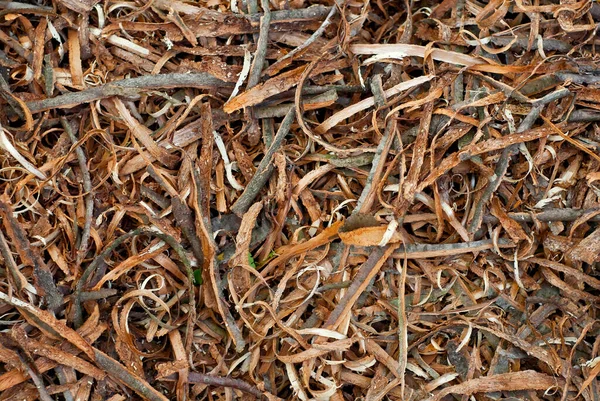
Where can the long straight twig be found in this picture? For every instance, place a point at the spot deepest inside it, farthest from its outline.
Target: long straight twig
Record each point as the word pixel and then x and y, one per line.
pixel 32 371
pixel 117 371
pixel 87 187
pixel 30 255
pixel 402 325
pixel 584 116
pixel 423 251
pixel 128 88
pixel 314 12
pixel 493 185
pixel 265 168
pixel 316 35
pixel 367 196
pixel 366 272
pixel 261 46
pixel 262 40
pixel 547 215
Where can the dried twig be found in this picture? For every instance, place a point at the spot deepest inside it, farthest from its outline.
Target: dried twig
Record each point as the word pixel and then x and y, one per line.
pixel 123 375
pixel 265 168
pixel 130 87
pixel 367 271
pixel 30 256
pixel 548 215
pixel 217 381
pixel 31 370
pixel 89 194
pixel 316 35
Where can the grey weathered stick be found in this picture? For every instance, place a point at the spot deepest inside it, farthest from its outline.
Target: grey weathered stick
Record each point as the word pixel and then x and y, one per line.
pixel 128 87
pixel 220 381
pixel 578 79
pixel 493 184
pixel 157 198
pixel 257 66
pixel 30 255
pixel 261 46
pixel 422 251
pixel 265 168
pixel 316 35
pixel 315 89
pixel 87 187
pixel 549 45
pixel 32 371
pixel 545 216
pixel 580 116
pixel 506 89
pixel 117 371
pixel 102 293
pixel 160 180
pixel 507 153
pixel 365 274
pixel 16 46
pixel 367 195
pixel 552 96
pixel 314 12
pixel 402 326
pixel 268 131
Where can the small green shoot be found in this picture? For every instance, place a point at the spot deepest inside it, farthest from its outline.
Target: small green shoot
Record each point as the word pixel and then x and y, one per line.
pixel 251 261
pixel 198 277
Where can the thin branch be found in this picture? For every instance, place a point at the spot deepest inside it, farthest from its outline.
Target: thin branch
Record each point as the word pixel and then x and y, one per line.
pixel 130 87
pixel 367 271
pixel 367 196
pixel 32 371
pixel 316 35
pixel 87 187
pixel 547 215
pixel 507 154
pixel 423 251
pixel 261 46
pixel 310 13
pixel 117 371
pixel 29 255
pixel 220 381
pixel 580 116
pixel 185 221
pixel 265 168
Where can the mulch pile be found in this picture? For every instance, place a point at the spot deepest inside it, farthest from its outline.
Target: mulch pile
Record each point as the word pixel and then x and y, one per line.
pixel 375 200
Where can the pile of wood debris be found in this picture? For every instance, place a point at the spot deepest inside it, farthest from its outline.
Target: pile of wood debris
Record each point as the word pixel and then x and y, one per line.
pixel 341 200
